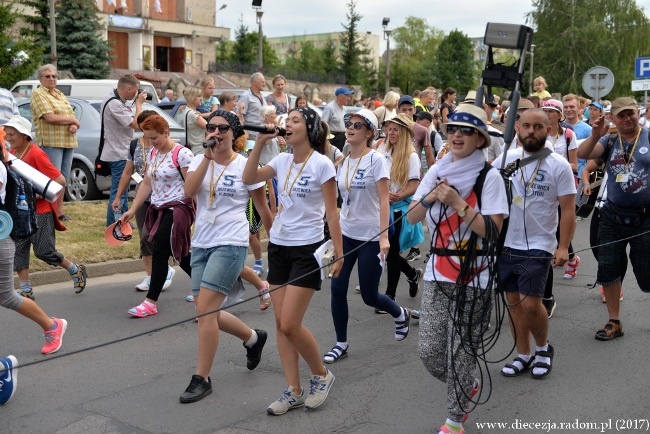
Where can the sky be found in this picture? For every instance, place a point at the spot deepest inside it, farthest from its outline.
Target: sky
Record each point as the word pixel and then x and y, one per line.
pixel 299 17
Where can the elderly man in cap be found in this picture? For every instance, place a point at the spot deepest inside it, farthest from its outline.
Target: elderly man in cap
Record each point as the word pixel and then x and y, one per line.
pixel 333 115
pixel 624 217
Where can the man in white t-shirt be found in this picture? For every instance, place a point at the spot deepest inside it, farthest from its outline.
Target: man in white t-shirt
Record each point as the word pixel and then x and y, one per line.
pixel 530 244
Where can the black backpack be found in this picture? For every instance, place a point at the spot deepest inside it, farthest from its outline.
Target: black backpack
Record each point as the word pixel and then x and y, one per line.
pixel 24 220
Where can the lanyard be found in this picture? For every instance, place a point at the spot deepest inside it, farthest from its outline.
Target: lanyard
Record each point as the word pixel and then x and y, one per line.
pixel 529 185
pixel 636 141
pixel 286 180
pixel 348 180
pixel 157 164
pixel 213 185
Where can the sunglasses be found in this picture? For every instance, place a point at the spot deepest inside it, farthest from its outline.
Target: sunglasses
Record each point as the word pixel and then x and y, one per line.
pixel 49 76
pixel 356 125
pixel 465 131
pixel 223 128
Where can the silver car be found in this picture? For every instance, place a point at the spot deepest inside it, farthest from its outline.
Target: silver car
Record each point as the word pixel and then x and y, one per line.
pixel 83 185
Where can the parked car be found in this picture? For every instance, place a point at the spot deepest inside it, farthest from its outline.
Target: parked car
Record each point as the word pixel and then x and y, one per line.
pixel 84 88
pixel 83 184
pixel 173 108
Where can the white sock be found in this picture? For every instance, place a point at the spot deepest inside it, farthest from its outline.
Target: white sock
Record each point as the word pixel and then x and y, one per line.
pixel 148 303
pixel 541 371
pixel 516 363
pixel 343 345
pixel 252 340
pixel 401 316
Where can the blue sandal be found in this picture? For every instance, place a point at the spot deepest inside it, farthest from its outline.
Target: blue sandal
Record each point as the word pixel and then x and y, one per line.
pixel 336 354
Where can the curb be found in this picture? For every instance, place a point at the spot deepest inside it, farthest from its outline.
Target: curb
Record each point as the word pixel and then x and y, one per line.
pixel 100 269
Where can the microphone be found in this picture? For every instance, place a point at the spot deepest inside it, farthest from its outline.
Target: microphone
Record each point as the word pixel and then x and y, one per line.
pixel 262 129
pixel 258 129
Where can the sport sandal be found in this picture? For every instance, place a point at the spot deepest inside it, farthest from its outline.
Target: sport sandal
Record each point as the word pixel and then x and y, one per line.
pixel 517 371
pixel 548 366
pixel 336 354
pixel 610 331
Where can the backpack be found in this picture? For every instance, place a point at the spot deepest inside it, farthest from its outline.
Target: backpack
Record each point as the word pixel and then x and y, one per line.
pixel 175 151
pixel 24 220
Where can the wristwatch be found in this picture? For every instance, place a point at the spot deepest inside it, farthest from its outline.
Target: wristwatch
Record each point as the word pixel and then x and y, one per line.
pixel 462 212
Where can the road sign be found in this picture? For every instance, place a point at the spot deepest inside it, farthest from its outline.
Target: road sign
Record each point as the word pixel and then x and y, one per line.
pixel 598 82
pixel 642 67
pixel 640 85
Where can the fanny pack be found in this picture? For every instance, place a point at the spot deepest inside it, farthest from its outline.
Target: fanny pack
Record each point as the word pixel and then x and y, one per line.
pixel 628 217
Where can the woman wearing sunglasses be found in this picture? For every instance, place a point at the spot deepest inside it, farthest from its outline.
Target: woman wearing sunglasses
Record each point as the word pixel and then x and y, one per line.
pixel 404 168
pixel 170 214
pixel 363 182
pixel 456 295
pixel 220 243
pixel 306 192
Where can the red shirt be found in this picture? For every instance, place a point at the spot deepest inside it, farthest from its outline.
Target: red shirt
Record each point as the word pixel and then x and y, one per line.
pixel 39 160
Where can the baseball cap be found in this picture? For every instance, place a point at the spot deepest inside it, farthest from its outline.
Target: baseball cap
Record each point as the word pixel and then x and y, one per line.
pixel 598 105
pixel 406 99
pixel 343 91
pixel 117 233
pixel 623 103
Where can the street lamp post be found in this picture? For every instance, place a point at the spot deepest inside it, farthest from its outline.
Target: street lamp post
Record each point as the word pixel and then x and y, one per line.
pixel 532 75
pixel 387 33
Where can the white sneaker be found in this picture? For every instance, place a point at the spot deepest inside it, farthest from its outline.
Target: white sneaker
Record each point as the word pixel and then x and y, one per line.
pixel 170 275
pixel 144 285
pixel 287 401
pixel 319 388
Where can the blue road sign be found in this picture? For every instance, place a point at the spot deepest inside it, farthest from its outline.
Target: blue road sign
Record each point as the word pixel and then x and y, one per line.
pixel 642 67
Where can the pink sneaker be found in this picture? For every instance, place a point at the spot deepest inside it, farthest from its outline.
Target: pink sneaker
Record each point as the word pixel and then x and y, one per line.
pixel 53 338
pixel 572 268
pixel 446 430
pixel 144 309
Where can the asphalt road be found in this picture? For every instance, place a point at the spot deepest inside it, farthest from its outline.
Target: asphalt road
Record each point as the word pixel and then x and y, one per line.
pixel 132 385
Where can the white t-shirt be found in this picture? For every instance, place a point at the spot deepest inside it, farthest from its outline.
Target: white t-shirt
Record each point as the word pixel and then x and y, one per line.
pixel 535 228
pixel 302 222
pixel 223 223
pixel 414 167
pixel 493 201
pixel 167 185
pixel 560 143
pixel 360 210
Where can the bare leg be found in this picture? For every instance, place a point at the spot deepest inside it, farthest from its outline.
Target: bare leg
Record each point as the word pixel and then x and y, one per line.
pixel 29 309
pixel 518 324
pixel 208 329
pixel 612 294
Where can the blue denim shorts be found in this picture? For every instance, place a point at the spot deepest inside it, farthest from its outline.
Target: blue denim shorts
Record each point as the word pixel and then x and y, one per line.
pixel 524 271
pixel 217 268
pixel 612 251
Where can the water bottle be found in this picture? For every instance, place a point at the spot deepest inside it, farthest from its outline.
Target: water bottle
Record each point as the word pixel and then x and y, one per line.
pixel 117 214
pixel 22 203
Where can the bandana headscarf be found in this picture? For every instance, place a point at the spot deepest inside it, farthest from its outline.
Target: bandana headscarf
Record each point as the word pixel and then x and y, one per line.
pixel 232 120
pixel 312 119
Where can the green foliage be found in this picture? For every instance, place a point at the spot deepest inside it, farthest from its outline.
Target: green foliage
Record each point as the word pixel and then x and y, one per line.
pixel 39 26
pixel 354 53
pixel 223 51
pixel 455 65
pixel 244 50
pixel 573 36
pixel 20 55
pixel 80 47
pixel 413 57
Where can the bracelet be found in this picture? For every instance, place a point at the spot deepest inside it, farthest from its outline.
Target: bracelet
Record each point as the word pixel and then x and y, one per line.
pixel 426 204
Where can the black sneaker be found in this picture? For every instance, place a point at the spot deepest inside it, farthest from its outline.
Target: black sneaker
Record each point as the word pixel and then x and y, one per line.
pixel 550 305
pixel 254 353
pixel 197 390
pixel 415 283
pixel 413 254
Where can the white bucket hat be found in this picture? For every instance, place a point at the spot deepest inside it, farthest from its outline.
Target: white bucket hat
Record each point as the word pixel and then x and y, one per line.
pixel 22 125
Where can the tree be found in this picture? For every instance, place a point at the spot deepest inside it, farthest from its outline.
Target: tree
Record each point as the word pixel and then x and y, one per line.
pixel 329 58
pixel 40 25
pixel 80 48
pixel 413 58
pixel 573 36
pixel 244 51
pixel 353 50
pixel 20 55
pixel 455 65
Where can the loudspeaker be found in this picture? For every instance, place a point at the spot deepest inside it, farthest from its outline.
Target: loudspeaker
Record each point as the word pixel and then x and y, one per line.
pixel 257 3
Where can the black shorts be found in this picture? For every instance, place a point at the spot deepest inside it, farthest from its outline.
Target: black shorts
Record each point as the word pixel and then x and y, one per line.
pixel 524 271
pixel 295 265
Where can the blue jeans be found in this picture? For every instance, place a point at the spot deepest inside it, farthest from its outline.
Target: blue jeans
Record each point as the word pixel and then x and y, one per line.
pixel 117 167
pixel 217 268
pixel 369 271
pixel 61 158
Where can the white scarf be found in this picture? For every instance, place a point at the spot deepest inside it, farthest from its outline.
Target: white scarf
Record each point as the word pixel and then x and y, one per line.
pixel 460 174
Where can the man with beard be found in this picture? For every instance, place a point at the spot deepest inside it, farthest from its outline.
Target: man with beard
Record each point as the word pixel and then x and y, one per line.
pixel 625 214
pixel 530 244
